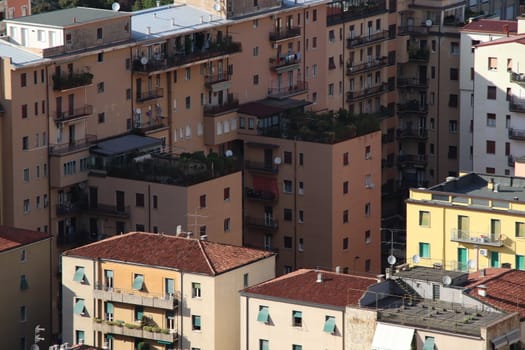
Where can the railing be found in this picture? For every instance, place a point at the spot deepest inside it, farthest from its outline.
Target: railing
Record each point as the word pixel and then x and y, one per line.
pixel 490 239
pixel 150 95
pixel 517 104
pixel 414 30
pixel 366 39
pixel 518 78
pixel 68 81
pixel 511 161
pixel 263 223
pixel 58 149
pixel 516 134
pixel 287 33
pixel 157 123
pixel 134 330
pixel 412 133
pixel 260 195
pixel 109 210
pixel 412 107
pixel 283 92
pixel 70 208
pixel 359 9
pixel 421 54
pixel 219 109
pixel 261 166
pixel 357 95
pixel 74 113
pixel 412 159
pixel 363 67
pixel 284 60
pixel 412 83
pixel 216 78
pixel 130 296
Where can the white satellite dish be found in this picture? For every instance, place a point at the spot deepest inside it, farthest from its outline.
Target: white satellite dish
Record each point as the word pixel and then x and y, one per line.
pixel 447 280
pixel 228 153
pixel 115 6
pixel 144 60
pixel 428 22
pixel 391 259
pixel 217 6
pixel 277 160
pixel 471 264
pixel 416 259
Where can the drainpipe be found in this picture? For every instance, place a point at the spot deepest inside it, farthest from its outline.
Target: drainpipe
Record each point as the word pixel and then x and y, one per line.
pixel 295 203
pixel 181 310
pixel 247 313
pixel 149 208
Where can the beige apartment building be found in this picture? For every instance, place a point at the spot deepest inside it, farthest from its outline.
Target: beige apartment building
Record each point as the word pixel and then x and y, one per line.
pixel 25 257
pixel 161 290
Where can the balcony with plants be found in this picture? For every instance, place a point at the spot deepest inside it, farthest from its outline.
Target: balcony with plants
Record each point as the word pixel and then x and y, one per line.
pixel 142 330
pixel 135 297
pixel 72 80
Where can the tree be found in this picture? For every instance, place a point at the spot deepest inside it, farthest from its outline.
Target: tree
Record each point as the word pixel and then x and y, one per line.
pixel 38 6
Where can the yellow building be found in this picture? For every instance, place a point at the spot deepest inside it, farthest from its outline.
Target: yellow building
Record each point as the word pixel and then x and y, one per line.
pixel 468 223
pixel 25 277
pixel 158 289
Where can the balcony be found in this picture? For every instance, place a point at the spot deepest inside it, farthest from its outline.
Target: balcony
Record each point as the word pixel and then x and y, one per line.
pixel 108 210
pixel 263 167
pixel 217 82
pixel 412 160
pixel 366 39
pixel 285 62
pixel 337 14
pixel 517 134
pixel 73 146
pixel 365 93
pixel 486 239
pixel 517 104
pixel 511 162
pixel 284 34
pixel 412 83
pixel 134 330
pixel 186 56
pixel 413 106
pixel 518 78
pixel 287 91
pixel 268 224
pixel 227 106
pixel 418 55
pixel 71 208
pixel 70 81
pixel 260 195
pixel 412 134
pixel 412 30
pixel 376 63
pixel 150 95
pixel 151 125
pixel 168 302
pixel 73 113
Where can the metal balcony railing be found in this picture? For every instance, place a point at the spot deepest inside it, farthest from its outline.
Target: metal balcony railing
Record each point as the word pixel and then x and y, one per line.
pixel 412 160
pixel 261 166
pixel 518 78
pixel 66 81
pixel 285 33
pixel 412 30
pixel 216 78
pixel 135 297
pixel 62 148
pixel 61 116
pixel 413 106
pixel 365 93
pixel 285 91
pixel 489 239
pixel 150 95
pixel 284 61
pixel 517 104
pixel 517 134
pixel 223 108
pixel 374 63
pixel 412 133
pixel 366 39
pixel 269 224
pixel 260 195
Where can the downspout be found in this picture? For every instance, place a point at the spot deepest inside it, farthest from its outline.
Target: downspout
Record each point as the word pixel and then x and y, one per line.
pixel 444 238
pixel 149 208
pixel 181 304
pixel 439 102
pixel 295 204
pixel 247 324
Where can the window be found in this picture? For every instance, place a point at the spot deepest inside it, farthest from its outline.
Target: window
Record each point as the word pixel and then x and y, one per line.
pixel 139 200
pixel 452 152
pixel 187 74
pixel 454 74
pixel 368 209
pixel 79 336
pixel 288 242
pixel 314 15
pixel 368 264
pixel 23 255
pixel 287 186
pixel 297 347
pixel 331 64
pixel 264 344
pixel 490 170
pixel 23 313
pixel 99 33
pixel 345 243
pixel 345 158
pixel 424 250
pixel 202 201
pixel 368 237
pixel 297 318
pixel 433 72
pixel 301 245
pixel 245 280
pixel 196 290
pixel 24 111
pixel 301 216
pixel 491 92
pixel 188 102
pixel 314 42
pixel 452 126
pixel 491 147
pixel 454 48
pixel 520 229
pixel 453 100
pixel 155 201
pixel 100 87
pixel 331 89
pixel 345 187
pixel 79 307
pixel 287 157
pixel 202 230
pixel 491 120
pixel 345 216
pixel 23 80
pixel 80 275
pixel 100 57
pixel 424 218
pixel 227 225
pixel 101 117
pixel 264 314
pixel 329 324
pixel 301 188
pixel 493 63
pixel 256 79
pixel 26 174
pixel 256 51
pixel 23 282
pixel 26 206
pixel 139 312
pixel 138 281
pixel 196 323
pixel 301 159
pixel 287 214
pixel 226 193
pixel 331 36
pixel 25 142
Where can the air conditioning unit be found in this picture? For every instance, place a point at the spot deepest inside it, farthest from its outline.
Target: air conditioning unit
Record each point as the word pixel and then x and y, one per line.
pixel 483 252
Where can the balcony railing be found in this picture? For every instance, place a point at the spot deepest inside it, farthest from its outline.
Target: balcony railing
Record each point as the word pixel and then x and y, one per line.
pixel 419 55
pixel 413 106
pixel 73 113
pixel 336 14
pixel 220 109
pixel 134 330
pixel 71 208
pixel 365 93
pixel 277 63
pixel 216 78
pixel 490 239
pixel 109 210
pixel 130 296
pixel 286 33
pixel 154 124
pixel 366 39
pixel 269 224
pixel 412 133
pixel 412 30
pixel 518 78
pixel 260 195
pixel 69 81
pixel 416 160
pixel 283 92
pixel 150 95
pixel 517 104
pixel 375 63
pixel 63 148
pixel 417 83
pixel 261 166
pixel 517 134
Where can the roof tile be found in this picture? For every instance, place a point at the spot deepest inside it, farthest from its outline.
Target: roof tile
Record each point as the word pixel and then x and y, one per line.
pixel 11 237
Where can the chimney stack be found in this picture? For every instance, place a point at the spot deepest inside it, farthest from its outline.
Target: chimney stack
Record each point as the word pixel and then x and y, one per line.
pixel 319 277
pixel 482 290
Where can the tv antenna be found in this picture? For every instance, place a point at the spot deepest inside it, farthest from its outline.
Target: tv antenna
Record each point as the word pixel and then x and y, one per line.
pixel 196 217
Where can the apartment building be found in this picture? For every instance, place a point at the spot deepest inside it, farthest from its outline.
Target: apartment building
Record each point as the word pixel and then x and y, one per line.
pixel 25 257
pixel 472 34
pixel 13 9
pixel 162 290
pixel 467 223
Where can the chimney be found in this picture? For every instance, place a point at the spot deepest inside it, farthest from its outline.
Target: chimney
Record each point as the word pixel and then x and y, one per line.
pixel 496 187
pixel 506 29
pixel 338 269
pixel 149 29
pixel 74 20
pixel 157 3
pixel 482 273
pixel 380 278
pixel 319 277
pixel 173 22
pixel 490 185
pixel 482 290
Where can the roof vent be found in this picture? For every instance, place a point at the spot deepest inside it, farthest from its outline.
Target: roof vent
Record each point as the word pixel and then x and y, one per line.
pixel 450 178
pixel 173 22
pixel 338 269
pixel 482 290
pixel 496 187
pixel 149 29
pixel 319 277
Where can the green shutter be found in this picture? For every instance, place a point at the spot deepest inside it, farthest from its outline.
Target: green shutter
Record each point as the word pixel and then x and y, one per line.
pixel 109 336
pixel 23 282
pixel 424 250
pixel 297 314
pixel 164 342
pixel 297 347
pixel 196 321
pixel 138 282
pixel 263 314
pixel 139 312
pixel 79 307
pixel 520 262
pixel 109 308
pixel 429 343
pixel 329 325
pixel 79 274
pixel 264 344
pixel 108 273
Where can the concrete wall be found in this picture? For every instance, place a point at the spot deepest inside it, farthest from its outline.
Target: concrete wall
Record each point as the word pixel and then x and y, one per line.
pixel 360 325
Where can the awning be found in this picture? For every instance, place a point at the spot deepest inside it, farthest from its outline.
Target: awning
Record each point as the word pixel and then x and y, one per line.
pixel 499 342
pixel 329 325
pixel 429 343
pixel 79 307
pixel 514 336
pixel 263 314
pixel 388 337
pixel 79 274
pixel 138 282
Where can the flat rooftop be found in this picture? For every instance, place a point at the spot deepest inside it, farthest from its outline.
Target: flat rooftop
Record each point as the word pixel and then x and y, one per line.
pixel 422 273
pixel 68 17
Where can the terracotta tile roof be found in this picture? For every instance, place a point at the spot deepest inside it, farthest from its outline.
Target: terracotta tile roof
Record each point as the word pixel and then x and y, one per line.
pixel 505 289
pixel 335 289
pixel 520 39
pixel 491 26
pixel 11 237
pixel 185 254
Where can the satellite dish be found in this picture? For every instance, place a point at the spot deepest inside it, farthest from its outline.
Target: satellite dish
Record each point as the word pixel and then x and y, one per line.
pixel 428 22
pixel 115 6
pixel 471 264
pixel 144 60
pixel 391 259
pixel 277 160
pixel 228 153
pixel 217 6
pixel 416 259
pixel 447 280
